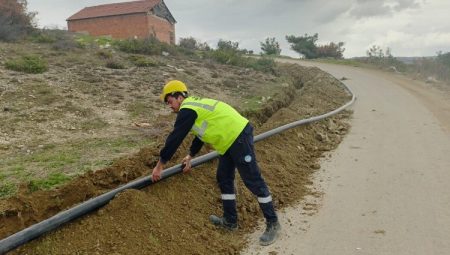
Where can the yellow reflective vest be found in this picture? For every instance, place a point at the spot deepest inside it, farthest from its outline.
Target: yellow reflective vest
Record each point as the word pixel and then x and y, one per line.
pixel 217 123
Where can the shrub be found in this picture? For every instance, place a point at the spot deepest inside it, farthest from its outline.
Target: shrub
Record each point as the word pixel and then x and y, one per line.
pixel 223 56
pixel 444 58
pixel 42 38
pixel 114 64
pixel 148 46
pixel 48 35
pixel 28 64
pixel 189 43
pixel 436 67
pixel 270 47
pixel 263 64
pixel 141 61
pixel 104 54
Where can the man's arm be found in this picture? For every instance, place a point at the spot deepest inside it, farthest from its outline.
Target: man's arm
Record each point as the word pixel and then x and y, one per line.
pixel 183 124
pixel 195 148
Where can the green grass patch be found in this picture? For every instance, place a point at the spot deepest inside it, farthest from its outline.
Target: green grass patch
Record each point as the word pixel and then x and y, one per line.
pixel 53 180
pixel 85 41
pixel 55 164
pixel 7 189
pixel 141 61
pixel 147 46
pixel 27 64
pixel 54 159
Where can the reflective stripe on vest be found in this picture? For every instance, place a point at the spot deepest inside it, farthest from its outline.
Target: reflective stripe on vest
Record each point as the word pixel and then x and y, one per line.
pixel 204 106
pixel 217 123
pixel 200 131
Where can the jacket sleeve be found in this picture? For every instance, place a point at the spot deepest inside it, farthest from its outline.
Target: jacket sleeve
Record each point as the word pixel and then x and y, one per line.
pixel 195 146
pixel 183 124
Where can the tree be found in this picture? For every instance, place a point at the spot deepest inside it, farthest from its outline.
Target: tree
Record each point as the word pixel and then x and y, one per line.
pixel 375 52
pixel 444 58
pixel 332 50
pixel 188 43
pixel 227 45
pixel 15 21
pixel 304 45
pixel 191 43
pixel 270 47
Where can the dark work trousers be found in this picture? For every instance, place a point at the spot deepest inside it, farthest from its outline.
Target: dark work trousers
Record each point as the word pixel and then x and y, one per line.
pixel 241 155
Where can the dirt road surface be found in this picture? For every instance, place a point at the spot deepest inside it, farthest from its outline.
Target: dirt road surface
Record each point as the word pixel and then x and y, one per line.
pixel 386 187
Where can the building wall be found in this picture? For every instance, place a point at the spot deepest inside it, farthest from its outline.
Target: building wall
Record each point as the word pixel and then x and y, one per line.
pixel 125 26
pixel 162 29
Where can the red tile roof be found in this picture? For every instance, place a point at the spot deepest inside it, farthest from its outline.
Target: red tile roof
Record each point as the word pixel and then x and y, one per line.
pixel 115 9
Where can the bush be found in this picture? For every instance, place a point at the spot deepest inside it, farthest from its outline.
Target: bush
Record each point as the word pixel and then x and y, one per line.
pixel 114 64
pixel 436 67
pixel 263 64
pixel 86 41
pixel 28 64
pixel 104 54
pixel 192 44
pixel 444 58
pixel 270 47
pixel 141 61
pixel 224 56
pixel 148 46
pixel 48 35
pixel 59 39
pixel 188 43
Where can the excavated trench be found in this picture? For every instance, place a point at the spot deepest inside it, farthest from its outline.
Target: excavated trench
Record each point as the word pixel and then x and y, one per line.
pixel 171 217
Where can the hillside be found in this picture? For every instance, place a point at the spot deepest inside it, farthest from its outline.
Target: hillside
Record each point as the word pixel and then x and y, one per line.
pixel 82 128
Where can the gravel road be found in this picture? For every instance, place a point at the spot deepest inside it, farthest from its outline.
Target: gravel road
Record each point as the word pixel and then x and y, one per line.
pixel 386 187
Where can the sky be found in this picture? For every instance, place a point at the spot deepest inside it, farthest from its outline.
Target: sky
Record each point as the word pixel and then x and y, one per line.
pixel 407 27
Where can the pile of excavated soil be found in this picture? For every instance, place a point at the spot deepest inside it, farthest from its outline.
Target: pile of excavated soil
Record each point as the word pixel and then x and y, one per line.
pixel 171 217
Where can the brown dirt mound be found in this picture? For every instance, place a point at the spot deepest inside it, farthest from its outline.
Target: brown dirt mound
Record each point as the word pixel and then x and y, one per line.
pixel 171 217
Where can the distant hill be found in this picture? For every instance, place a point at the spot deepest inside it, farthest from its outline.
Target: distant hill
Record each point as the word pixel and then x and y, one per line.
pixel 410 60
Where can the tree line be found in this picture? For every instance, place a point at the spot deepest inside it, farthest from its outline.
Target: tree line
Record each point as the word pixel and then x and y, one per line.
pixel 305 45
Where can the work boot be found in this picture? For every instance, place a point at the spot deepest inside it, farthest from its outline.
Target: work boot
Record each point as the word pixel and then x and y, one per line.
pixel 270 235
pixel 222 222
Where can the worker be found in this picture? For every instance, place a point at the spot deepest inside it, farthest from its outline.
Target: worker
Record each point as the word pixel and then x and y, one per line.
pixel 231 135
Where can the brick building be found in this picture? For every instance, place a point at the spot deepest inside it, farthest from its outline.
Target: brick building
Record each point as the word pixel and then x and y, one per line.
pixel 137 19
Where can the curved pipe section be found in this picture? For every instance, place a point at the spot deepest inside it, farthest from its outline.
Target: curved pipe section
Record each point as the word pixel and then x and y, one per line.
pixel 92 204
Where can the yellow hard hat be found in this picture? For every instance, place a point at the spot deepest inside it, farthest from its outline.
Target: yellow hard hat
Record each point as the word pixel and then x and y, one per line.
pixel 172 87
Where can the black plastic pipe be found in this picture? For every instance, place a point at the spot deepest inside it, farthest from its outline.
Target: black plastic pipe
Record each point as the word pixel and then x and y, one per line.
pixel 38 229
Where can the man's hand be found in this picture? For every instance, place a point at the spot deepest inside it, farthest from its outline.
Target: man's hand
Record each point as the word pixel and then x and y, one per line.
pixel 157 171
pixel 187 164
